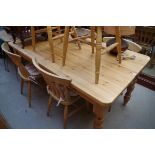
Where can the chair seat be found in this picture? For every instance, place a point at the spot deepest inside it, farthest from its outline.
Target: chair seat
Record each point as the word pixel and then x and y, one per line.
pixel 34 74
pixel 32 70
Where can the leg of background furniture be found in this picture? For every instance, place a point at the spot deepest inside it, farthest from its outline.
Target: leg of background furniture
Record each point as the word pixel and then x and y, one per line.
pixel 22 40
pixel 29 93
pixel 100 112
pixel 65 115
pixel 130 88
pixel 65 44
pixel 50 40
pixel 14 38
pixel 98 54
pixel 33 37
pixel 87 105
pixel 7 64
pixel 16 70
pixel 5 60
pixel 109 109
pixel 49 105
pixel 22 86
pixel 92 37
pixel 118 40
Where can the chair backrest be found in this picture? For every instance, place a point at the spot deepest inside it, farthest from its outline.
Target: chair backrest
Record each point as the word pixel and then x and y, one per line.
pixel 145 35
pixel 16 59
pixel 58 85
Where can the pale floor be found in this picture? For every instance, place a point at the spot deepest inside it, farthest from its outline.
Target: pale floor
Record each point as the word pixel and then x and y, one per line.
pixel 139 113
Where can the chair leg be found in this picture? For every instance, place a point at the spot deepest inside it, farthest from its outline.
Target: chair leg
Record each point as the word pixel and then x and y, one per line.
pixel 14 38
pixel 16 70
pixel 92 38
pixel 29 93
pixel 109 109
pixel 49 105
pixel 65 45
pixel 65 116
pixel 33 37
pixel 22 86
pixel 6 63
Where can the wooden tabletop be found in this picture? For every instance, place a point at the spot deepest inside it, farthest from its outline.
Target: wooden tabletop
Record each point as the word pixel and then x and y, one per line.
pixel 80 67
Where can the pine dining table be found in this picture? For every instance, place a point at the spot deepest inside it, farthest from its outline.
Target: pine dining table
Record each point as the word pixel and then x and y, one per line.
pixel 79 66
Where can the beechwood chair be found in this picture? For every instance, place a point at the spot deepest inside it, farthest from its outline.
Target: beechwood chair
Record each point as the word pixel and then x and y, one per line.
pixel 145 36
pixel 59 90
pixel 28 73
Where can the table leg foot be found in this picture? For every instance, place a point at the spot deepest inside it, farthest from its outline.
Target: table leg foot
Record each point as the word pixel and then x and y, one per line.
pixel 100 112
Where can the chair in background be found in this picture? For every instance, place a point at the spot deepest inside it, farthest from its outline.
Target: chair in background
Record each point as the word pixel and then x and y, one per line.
pixel 69 34
pixel 20 32
pixel 50 31
pixel 3 56
pixel 131 45
pixel 24 33
pixel 28 73
pixel 35 30
pixel 145 37
pixel 59 90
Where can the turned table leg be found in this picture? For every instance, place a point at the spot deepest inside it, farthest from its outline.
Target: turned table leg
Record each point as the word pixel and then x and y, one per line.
pixel 99 112
pixel 130 88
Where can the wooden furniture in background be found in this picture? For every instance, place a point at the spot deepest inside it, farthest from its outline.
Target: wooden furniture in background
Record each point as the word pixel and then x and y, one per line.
pixel 99 47
pixel 145 37
pixel 114 77
pixel 21 32
pixel 34 31
pixel 59 89
pixel 119 32
pixel 96 41
pixel 25 32
pixel 27 73
pixel 68 31
pixel 39 30
pixel 132 46
pixel 50 38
